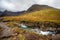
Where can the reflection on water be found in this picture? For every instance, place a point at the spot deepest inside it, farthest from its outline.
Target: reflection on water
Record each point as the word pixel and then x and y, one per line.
pixel 38 31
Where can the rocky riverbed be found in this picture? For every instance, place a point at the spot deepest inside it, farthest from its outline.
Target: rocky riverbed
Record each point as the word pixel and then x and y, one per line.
pixel 29 31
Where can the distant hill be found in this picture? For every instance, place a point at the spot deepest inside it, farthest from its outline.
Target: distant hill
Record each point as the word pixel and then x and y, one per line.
pixel 1 13
pixel 10 13
pixel 37 7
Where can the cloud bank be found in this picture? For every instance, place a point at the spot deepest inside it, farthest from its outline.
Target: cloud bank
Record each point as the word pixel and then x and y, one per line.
pixel 53 3
pixel 20 5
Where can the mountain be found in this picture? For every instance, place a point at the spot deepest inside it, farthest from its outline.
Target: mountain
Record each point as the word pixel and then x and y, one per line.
pixel 1 13
pixel 10 13
pixel 49 14
pixel 37 7
pixel 34 7
pixel 38 13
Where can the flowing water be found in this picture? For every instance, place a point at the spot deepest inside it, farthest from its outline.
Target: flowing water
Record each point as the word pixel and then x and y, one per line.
pixel 36 30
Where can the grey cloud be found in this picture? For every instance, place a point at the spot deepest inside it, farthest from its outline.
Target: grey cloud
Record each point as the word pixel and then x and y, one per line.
pixel 53 3
pixel 15 5
pixel 19 5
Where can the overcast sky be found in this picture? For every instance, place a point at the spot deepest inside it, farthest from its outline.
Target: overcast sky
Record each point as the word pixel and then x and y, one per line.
pixel 20 5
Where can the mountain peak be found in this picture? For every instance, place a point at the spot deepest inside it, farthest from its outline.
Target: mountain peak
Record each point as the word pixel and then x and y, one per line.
pixel 37 7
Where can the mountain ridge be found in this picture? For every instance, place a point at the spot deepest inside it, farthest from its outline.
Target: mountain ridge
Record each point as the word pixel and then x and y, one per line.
pixel 37 7
pixel 33 8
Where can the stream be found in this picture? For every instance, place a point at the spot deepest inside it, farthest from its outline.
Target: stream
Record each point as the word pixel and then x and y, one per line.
pixel 36 30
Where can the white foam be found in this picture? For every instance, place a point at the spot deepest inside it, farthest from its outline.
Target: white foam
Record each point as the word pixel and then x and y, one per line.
pixel 23 26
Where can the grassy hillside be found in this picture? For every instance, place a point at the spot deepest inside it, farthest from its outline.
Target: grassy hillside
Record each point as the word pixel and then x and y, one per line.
pixel 42 15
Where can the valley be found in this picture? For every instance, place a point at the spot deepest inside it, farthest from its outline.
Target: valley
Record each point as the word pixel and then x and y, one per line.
pixel 39 22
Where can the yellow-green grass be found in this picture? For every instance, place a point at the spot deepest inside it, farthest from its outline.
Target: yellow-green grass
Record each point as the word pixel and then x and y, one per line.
pixel 52 15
